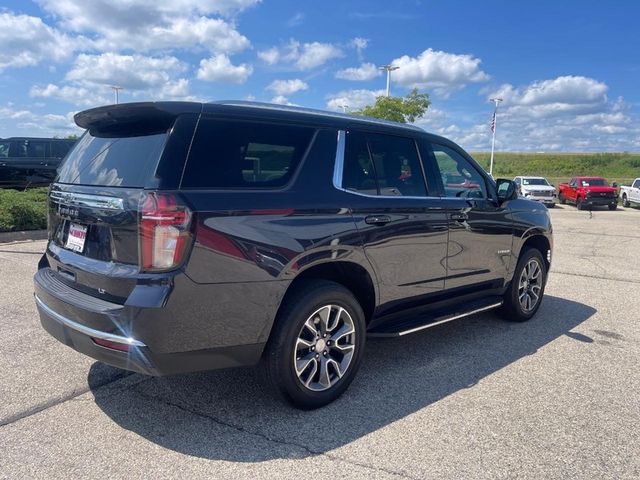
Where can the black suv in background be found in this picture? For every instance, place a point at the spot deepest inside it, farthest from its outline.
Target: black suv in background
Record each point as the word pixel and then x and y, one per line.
pixel 188 236
pixel 27 161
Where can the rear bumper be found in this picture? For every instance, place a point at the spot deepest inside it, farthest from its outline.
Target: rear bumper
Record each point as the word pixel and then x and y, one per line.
pixel 79 320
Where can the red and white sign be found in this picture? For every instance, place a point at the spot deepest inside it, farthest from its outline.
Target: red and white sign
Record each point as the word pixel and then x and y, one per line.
pixel 77 236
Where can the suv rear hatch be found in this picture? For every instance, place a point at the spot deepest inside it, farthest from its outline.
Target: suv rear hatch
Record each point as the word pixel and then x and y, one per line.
pixel 106 218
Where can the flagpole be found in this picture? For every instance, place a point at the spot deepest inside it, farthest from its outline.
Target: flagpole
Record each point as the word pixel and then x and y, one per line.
pixel 494 125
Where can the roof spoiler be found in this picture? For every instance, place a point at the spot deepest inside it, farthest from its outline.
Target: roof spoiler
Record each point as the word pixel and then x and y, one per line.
pixel 149 113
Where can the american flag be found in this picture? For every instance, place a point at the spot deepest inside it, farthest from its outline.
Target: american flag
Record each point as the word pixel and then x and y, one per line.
pixel 493 122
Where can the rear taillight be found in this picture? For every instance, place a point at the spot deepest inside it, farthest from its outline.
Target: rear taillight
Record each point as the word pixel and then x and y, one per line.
pixel 164 232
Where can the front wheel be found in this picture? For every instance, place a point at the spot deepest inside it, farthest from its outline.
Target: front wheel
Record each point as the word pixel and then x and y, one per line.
pixel 613 206
pixel 561 199
pixel 524 295
pixel 579 204
pixel 625 200
pixel 316 346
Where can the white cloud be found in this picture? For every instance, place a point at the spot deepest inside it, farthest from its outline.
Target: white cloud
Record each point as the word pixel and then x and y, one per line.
pixel 25 122
pixel 365 72
pixel 439 71
pixel 352 99
pixel 219 68
pixel 133 72
pixel 287 87
pixel 569 113
pixel 91 77
pixel 296 20
pixel 26 41
pixel 140 25
pixel 83 96
pixel 301 56
pixel 565 94
pixel 360 44
pixel 280 100
pixel 270 56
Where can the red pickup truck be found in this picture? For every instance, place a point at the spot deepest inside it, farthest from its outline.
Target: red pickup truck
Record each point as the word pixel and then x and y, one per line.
pixel 587 192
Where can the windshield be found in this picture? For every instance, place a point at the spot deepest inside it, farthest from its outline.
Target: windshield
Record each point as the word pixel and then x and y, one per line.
pixel 535 181
pixel 594 182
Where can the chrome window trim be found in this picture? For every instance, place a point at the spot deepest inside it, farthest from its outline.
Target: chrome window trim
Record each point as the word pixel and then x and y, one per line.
pixel 87 200
pixel 91 332
pixel 338 168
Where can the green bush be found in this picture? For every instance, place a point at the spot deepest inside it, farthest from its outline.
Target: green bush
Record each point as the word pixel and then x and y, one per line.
pixel 23 210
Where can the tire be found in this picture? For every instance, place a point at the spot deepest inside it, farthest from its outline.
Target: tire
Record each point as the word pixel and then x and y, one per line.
pixel 613 206
pixel 513 309
pixel 579 204
pixel 561 199
pixel 295 338
pixel 625 201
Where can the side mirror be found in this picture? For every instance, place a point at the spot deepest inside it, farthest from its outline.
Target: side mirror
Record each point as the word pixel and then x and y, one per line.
pixel 507 190
pixel 614 184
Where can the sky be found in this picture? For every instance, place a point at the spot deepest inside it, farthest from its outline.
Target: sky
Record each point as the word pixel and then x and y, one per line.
pixel 568 71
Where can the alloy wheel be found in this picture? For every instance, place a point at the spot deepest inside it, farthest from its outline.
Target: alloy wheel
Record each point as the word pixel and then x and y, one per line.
pixel 324 348
pixel 530 285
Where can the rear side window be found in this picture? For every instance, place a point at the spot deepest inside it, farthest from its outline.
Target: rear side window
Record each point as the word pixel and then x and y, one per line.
pixel 382 164
pixel 238 154
pixel 123 161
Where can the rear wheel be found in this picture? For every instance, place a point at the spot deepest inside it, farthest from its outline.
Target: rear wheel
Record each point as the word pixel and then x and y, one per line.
pixel 316 346
pixel 524 295
pixel 579 204
pixel 613 206
pixel 625 200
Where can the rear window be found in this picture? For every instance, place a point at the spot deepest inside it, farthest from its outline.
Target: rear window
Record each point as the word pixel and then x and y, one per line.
pixel 594 182
pixel 237 154
pixel 113 161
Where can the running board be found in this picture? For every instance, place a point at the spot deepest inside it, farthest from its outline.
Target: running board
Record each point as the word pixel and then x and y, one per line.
pixel 424 322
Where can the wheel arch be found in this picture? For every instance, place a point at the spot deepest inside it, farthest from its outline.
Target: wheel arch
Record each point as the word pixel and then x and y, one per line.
pixel 353 276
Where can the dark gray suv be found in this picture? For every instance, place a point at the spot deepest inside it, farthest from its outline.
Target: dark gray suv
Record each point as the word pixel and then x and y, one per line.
pixel 188 236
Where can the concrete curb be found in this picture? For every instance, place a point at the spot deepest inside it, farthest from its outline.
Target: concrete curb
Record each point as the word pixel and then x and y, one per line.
pixel 6 237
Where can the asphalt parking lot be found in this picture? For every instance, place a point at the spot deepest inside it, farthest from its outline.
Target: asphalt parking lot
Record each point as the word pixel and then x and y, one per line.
pixel 557 397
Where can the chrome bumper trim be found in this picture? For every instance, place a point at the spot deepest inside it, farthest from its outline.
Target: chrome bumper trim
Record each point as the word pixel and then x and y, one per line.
pixel 87 330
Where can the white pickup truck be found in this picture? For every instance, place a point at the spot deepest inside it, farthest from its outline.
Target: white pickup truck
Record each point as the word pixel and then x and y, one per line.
pixel 630 194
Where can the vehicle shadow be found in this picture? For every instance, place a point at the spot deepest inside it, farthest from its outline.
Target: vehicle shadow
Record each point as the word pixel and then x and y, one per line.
pixel 229 415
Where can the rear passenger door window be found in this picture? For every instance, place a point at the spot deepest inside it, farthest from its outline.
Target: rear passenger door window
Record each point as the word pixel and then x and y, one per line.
pixel 386 165
pixel 358 174
pixel 239 154
pixel 459 177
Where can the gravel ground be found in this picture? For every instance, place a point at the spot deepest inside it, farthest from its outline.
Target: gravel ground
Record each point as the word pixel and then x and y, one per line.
pixel 556 397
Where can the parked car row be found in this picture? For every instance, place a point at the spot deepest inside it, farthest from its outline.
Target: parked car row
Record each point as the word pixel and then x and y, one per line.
pixel 585 192
pixel 30 161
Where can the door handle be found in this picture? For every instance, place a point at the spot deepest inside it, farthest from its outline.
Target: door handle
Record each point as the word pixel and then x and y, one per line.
pixel 377 219
pixel 459 217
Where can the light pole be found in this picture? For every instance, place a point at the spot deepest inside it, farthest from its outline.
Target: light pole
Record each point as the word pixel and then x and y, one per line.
pixel 344 108
pixel 388 69
pixel 494 123
pixel 115 91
